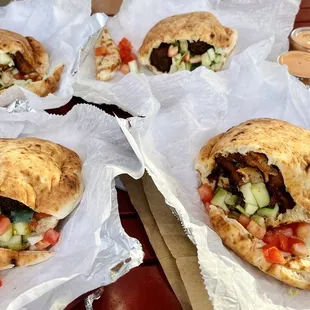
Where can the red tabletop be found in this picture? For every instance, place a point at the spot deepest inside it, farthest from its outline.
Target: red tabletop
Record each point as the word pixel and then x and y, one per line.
pixel 144 287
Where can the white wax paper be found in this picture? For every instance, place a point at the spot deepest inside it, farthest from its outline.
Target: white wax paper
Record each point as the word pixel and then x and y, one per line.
pixel 180 119
pixel 268 21
pixel 92 239
pixel 62 26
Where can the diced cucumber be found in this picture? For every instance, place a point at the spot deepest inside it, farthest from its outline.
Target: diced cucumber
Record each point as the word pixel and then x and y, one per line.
pixel 184 46
pixel 219 199
pixel 241 210
pixel 173 68
pixel 216 67
pixel 188 66
pixel 205 60
pixel 250 209
pixel 7 235
pixel 133 66
pixel 230 199
pixel 218 59
pixel 15 243
pixel 247 194
pixel 5 59
pixel 21 215
pixel 176 59
pixel 181 66
pixel 268 212
pixel 21 228
pixel 261 194
pixel 211 54
pixel 259 220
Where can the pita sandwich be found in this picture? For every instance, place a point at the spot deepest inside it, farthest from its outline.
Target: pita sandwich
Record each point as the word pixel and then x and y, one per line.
pixel 40 184
pixel 24 62
pixel 187 41
pixel 256 188
pixel 107 56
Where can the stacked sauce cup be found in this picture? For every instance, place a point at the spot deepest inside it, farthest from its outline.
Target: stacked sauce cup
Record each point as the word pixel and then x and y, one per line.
pixel 298 58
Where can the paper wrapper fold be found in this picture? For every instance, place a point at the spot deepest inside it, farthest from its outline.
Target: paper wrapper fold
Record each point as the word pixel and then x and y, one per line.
pixel 93 249
pixel 63 27
pixel 259 25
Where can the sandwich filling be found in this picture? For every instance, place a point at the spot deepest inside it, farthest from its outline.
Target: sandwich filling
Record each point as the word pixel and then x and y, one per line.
pixel 23 229
pixel 14 69
pixel 187 55
pixel 253 192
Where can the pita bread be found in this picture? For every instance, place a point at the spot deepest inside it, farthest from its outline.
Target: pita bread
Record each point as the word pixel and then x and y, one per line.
pixel 43 175
pixel 48 85
pixel 32 51
pixel 286 146
pixel 195 26
pixel 10 259
pixel 108 65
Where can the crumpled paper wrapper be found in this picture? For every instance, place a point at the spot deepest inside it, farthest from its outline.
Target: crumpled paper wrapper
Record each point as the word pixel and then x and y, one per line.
pixel 258 23
pixel 93 249
pixel 180 120
pixel 63 27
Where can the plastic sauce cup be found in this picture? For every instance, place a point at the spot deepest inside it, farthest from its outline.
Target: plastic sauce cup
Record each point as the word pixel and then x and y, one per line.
pixel 300 39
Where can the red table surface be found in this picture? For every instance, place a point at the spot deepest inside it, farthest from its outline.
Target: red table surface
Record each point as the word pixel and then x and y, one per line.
pixel 146 286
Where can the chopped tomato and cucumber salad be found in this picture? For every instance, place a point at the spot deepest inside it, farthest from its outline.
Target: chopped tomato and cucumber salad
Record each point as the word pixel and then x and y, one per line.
pixel 23 229
pixel 129 59
pixel 280 242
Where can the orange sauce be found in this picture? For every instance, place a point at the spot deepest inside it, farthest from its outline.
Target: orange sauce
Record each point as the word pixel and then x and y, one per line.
pixel 298 63
pixel 303 38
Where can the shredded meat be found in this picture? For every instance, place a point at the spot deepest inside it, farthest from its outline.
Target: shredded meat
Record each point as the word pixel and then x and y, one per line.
pixel 8 204
pixel 235 165
pixel 159 58
pixel 198 48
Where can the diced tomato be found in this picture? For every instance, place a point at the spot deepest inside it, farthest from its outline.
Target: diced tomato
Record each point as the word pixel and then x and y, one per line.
pixel 51 236
pixel 292 241
pixel 128 58
pixel 303 231
pixel 41 245
pixel 293 226
pixel 5 224
pixel 125 69
pixel 125 43
pixel 40 216
pixel 287 231
pixel 101 51
pixel 284 243
pixel 18 76
pixel 271 238
pixel 205 192
pixel 244 220
pixel 33 225
pixel 1 283
pixel 299 249
pixel 207 205
pixel 256 230
pixel 273 254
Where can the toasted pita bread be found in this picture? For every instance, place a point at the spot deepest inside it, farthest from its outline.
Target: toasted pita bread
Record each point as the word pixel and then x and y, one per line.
pixel 32 51
pixel 107 66
pixel 286 146
pixel 10 259
pixel 48 85
pixel 43 175
pixel 195 26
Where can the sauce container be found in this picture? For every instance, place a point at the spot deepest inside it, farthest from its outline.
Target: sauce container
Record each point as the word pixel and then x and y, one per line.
pixel 300 39
pixel 298 64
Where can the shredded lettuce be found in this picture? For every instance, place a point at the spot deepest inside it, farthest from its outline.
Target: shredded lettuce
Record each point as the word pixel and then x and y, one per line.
pixel 293 291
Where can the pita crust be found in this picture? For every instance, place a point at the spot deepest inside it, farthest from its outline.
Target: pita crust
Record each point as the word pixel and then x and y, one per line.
pixel 193 26
pixel 237 238
pixel 32 51
pixel 10 258
pixel 43 175
pixel 285 145
pixel 47 86
pixel 108 65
